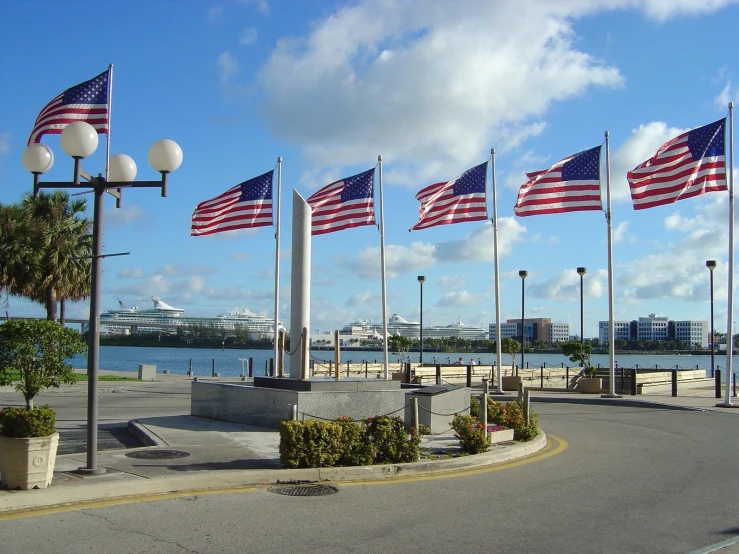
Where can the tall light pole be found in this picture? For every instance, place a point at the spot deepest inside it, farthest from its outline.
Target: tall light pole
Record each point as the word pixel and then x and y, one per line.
pixel 523 274
pixel 79 140
pixel 581 272
pixel 421 280
pixel 711 265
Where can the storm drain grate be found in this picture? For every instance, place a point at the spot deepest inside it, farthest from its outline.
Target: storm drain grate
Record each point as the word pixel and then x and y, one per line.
pixel 157 454
pixel 305 490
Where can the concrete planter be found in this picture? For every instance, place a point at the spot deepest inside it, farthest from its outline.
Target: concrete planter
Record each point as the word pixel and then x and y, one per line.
pixel 501 436
pixel 590 385
pixel 27 463
pixel 510 383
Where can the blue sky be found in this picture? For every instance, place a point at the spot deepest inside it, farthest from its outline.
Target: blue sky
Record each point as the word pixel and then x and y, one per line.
pixel 432 86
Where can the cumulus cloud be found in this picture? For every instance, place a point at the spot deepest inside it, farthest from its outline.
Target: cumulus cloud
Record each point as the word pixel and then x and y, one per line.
pixel 227 67
pixel 136 273
pixel 372 89
pixel 362 299
pixel 566 286
pixel 179 269
pixel 453 281
pixel 478 246
pixel 459 298
pixel 248 36
pixel 5 142
pixel 725 96
pixel 124 215
pixel 398 259
pixel 214 14
pixel 261 5
pixel 237 292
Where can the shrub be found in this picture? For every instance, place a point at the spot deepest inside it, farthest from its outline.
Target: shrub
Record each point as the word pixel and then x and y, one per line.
pixel 345 442
pixel 22 423
pixel 471 434
pixel 358 449
pixel 511 416
pixel 391 441
pixel 474 406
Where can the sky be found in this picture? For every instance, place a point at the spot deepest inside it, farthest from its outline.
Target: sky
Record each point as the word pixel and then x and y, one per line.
pixel 431 86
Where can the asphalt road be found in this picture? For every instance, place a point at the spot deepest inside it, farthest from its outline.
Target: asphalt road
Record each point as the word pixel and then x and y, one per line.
pixel 631 480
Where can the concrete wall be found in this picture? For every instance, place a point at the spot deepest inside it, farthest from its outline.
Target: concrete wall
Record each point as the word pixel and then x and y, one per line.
pixel 437 410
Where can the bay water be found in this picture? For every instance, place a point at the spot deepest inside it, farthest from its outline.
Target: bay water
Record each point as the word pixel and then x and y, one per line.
pixel 228 363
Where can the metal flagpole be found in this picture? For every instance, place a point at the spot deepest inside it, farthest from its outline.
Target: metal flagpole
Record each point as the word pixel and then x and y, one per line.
pixel 110 117
pixel 498 345
pixel 384 292
pixel 277 264
pixel 611 330
pixel 730 313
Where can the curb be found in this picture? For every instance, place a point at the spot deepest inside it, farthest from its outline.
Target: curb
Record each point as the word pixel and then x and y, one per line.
pixel 18 501
pixel 629 403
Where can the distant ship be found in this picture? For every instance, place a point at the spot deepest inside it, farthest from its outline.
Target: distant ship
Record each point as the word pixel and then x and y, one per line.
pixel 397 325
pixel 163 317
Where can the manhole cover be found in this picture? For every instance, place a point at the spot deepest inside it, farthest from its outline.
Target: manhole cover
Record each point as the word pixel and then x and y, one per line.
pixel 157 454
pixel 305 490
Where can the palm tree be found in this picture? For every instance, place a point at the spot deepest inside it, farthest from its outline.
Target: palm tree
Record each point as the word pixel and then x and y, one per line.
pixel 58 248
pixel 19 248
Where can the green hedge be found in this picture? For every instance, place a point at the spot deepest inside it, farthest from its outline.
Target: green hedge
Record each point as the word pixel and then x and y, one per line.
pixel 21 423
pixel 345 442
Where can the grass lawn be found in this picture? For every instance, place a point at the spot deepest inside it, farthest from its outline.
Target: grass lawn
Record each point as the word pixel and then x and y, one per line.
pixel 15 376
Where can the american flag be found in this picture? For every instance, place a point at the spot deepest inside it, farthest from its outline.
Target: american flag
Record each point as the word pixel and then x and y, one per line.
pixel 570 185
pixel 456 201
pixel 344 204
pixel 688 165
pixel 87 101
pixel 241 207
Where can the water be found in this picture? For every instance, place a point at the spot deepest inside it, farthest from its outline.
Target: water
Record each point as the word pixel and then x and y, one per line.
pixel 227 363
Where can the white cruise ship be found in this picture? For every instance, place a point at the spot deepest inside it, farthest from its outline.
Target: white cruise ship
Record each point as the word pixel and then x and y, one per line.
pixel 397 325
pixel 163 317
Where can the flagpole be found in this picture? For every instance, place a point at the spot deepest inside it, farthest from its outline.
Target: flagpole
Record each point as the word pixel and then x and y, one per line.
pixel 611 330
pixel 277 264
pixel 110 119
pixel 498 345
pixel 730 312
pixel 382 263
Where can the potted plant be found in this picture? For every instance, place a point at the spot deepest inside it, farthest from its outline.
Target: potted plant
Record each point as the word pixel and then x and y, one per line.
pixel 33 355
pixel 580 353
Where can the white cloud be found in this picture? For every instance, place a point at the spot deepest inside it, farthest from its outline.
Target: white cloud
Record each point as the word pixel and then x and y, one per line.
pixel 398 259
pixel 214 14
pixel 124 215
pixel 620 233
pixel 5 142
pixel 566 286
pixel 179 269
pixel 261 5
pixel 460 298
pixel 240 256
pixel 453 281
pixel 478 246
pixel 367 77
pixel 362 299
pixel 725 96
pixel 248 36
pixel 227 67
pixel 130 273
pixel 237 292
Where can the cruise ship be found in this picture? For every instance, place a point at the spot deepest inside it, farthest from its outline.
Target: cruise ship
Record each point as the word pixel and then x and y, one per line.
pixel 163 317
pixel 397 325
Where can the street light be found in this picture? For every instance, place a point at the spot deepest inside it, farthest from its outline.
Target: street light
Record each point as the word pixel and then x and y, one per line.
pixel 711 265
pixel 79 140
pixel 523 274
pixel 581 272
pixel 421 280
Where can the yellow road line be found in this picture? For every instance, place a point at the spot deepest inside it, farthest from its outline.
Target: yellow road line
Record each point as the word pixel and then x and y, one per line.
pixel 555 445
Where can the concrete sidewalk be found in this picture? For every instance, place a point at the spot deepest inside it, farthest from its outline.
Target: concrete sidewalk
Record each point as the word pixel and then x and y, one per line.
pixel 188 453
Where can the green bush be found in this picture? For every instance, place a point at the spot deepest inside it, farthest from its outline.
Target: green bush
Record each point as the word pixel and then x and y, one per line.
pixel 381 440
pixel 511 416
pixel 471 434
pixel 358 449
pixel 391 441
pixel 22 423
pixel 474 406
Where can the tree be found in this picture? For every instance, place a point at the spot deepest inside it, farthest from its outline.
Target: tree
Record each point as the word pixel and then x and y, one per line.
pixel 620 344
pixel 47 246
pixel 400 345
pixel 578 352
pixel 510 346
pixel 34 352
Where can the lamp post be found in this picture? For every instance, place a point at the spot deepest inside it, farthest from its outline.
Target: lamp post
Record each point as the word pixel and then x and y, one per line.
pixel 421 280
pixel 581 272
pixel 711 265
pixel 79 140
pixel 523 274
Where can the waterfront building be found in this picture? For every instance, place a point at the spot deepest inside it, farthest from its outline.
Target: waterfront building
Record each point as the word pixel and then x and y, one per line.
pixel 657 328
pixel 535 328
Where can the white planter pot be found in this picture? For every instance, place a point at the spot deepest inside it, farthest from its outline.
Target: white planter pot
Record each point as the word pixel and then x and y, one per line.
pixel 501 436
pixel 27 463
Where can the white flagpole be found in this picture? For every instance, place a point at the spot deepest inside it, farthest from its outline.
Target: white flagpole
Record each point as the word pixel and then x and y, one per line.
pixel 384 292
pixel 277 264
pixel 611 330
pixel 110 119
pixel 730 313
pixel 498 345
